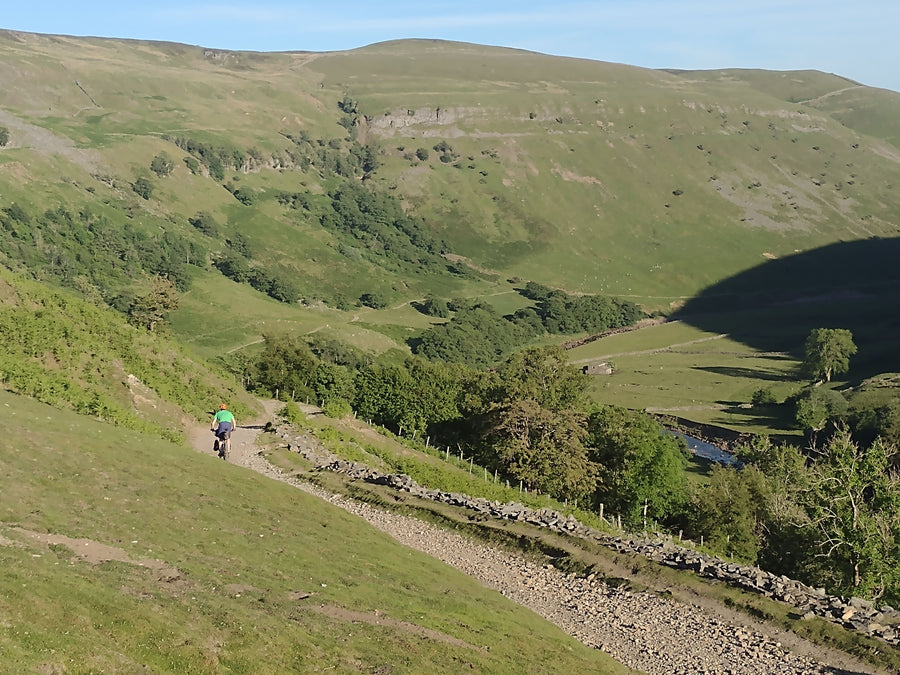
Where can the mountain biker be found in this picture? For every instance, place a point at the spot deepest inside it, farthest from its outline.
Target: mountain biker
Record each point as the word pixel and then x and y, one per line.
pixel 223 423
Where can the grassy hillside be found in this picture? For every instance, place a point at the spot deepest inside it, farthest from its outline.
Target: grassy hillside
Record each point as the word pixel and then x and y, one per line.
pixel 593 177
pixel 125 554
pixel 66 352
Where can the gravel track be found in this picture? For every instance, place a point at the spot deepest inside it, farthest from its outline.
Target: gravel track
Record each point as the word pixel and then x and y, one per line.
pixel 643 631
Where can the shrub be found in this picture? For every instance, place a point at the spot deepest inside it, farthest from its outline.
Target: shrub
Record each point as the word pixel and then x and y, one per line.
pixel 292 414
pixel 763 396
pixel 336 408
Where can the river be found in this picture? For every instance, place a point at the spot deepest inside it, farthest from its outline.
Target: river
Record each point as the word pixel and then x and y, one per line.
pixel 708 450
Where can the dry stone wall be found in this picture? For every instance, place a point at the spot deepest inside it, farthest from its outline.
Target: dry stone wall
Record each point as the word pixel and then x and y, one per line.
pixel 853 613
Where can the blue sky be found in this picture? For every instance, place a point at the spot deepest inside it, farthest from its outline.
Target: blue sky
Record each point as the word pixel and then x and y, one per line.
pixel 859 40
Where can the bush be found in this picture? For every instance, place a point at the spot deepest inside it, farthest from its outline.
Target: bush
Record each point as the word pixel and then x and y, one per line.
pixel 143 188
pixel 336 408
pixel 763 396
pixel 292 414
pixel 162 165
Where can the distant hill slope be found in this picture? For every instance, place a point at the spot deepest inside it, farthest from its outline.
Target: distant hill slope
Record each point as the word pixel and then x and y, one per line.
pixel 591 176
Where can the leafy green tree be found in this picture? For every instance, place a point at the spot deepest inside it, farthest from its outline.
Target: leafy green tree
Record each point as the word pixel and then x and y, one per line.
pixel 375 300
pixel 332 382
pixel 245 195
pixel 827 352
pixel 763 397
pixel 285 366
pixel 4 137
pixel 162 165
pixel 239 243
pixel 871 422
pixel 205 223
pixel 152 309
pixel 543 449
pixel 816 408
pixel 783 526
pixel 640 465
pixel 433 306
pixel 234 266
pixel 544 375
pixel 143 188
pixel 853 504
pixel 729 511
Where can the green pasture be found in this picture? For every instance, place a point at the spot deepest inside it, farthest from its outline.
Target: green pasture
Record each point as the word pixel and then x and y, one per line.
pixel 204 567
pixel 677 369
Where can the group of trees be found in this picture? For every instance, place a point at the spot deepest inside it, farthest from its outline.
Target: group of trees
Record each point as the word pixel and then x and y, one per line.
pixel 88 251
pixel 527 419
pixel 829 515
pixel 478 336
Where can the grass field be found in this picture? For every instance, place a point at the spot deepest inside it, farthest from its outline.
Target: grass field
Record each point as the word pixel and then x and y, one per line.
pixel 121 553
pixel 678 369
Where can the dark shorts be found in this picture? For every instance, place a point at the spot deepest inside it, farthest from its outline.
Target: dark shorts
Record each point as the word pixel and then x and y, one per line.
pixel 224 430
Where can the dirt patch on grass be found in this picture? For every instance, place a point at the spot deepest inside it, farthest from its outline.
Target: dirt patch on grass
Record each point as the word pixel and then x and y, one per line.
pixel 94 553
pixel 377 618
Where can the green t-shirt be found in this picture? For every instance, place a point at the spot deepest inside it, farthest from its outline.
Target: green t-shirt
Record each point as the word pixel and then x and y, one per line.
pixel 224 416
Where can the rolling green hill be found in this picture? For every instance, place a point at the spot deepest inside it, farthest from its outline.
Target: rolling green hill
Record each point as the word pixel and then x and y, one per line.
pixel 422 168
pixel 331 194
pixel 589 176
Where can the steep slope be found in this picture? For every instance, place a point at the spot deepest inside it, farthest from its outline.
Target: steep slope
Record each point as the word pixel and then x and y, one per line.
pixel 125 554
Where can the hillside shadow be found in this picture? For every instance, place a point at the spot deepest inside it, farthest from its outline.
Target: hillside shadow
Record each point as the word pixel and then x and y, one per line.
pixel 752 373
pixel 773 306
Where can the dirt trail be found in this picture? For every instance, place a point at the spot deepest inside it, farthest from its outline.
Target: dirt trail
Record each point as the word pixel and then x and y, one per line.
pixel 640 630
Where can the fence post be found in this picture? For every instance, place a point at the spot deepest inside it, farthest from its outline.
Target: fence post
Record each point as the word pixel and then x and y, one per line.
pixel 601 510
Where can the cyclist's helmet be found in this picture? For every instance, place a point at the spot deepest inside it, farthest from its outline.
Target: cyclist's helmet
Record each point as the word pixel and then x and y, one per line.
pixel 222 406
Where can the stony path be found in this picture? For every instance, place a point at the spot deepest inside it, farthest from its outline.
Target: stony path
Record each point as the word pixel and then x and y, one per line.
pixel 641 630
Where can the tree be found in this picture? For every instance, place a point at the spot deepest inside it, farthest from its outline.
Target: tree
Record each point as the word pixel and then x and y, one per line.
pixel 640 465
pixel 816 408
pixel 152 309
pixel 543 449
pixel 729 511
pixel 143 187
pixel 205 222
pixel 162 165
pixel 854 507
pixel 433 306
pixel 4 137
pixel 286 366
pixel 544 375
pixel 827 352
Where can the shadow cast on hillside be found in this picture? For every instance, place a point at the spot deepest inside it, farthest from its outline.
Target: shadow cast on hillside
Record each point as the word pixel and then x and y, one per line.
pixel 752 373
pixel 773 306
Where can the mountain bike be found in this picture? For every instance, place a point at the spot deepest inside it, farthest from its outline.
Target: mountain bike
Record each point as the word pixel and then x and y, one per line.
pixel 222 444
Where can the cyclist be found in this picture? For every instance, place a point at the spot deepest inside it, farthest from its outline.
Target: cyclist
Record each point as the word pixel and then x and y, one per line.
pixel 223 423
